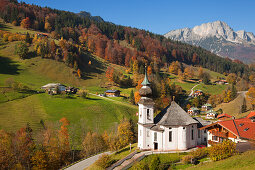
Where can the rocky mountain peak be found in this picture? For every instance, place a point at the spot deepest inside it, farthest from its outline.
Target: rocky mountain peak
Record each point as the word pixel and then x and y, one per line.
pixel 219 38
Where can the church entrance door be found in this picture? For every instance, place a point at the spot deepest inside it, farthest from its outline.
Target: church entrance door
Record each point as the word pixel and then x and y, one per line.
pixel 155 146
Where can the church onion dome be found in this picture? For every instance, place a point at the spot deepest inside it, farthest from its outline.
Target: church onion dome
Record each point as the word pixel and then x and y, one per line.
pixel 145 91
pixel 146 101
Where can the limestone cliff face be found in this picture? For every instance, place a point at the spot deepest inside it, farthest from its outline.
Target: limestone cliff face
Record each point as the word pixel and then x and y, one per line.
pixel 219 38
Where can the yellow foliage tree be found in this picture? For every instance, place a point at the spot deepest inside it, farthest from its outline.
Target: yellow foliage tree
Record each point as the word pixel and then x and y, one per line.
pixel 251 96
pixel 125 133
pixel 174 67
pixel 39 160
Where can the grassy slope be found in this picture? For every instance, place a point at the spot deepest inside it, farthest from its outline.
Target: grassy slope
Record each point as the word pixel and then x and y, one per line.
pixel 94 113
pixel 233 107
pixel 242 161
pixel 187 85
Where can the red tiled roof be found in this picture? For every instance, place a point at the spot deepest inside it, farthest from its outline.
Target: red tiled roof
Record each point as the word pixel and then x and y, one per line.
pixel 243 127
pixel 224 115
pixel 252 114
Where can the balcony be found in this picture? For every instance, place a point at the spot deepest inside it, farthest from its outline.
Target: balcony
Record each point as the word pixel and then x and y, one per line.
pixel 220 134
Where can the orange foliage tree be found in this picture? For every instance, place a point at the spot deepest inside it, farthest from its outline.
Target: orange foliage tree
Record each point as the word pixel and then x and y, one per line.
pixel 25 23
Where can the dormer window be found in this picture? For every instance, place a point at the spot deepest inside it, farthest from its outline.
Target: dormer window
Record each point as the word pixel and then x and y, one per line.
pixel 246 129
pixel 241 124
pixel 148 114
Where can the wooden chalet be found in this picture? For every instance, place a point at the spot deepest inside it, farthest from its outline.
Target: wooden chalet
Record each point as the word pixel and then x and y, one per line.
pixel 206 107
pixel 54 88
pixel 193 111
pixel 112 93
pixel 237 130
pixel 197 93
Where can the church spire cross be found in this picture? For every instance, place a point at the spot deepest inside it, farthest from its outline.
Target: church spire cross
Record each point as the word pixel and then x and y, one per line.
pixel 145 81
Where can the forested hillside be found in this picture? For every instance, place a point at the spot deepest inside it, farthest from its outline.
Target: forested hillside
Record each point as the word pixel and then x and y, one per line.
pixel 104 39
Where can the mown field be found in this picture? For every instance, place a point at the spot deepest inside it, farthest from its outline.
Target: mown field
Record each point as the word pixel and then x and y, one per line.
pixel 19 108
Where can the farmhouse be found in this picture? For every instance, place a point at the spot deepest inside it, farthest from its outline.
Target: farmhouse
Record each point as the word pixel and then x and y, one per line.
pixel 54 88
pixel 112 93
pixel 171 129
pixel 197 93
pixel 206 107
pixel 193 111
pixel 211 114
pixel 237 130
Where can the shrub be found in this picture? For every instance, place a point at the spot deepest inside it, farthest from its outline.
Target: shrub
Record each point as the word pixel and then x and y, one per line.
pixel 140 165
pixel 199 153
pixel 83 93
pixel 104 161
pixel 223 150
pixel 187 159
pixel 154 163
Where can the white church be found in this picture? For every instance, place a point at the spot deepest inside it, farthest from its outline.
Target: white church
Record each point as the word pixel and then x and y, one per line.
pixel 172 129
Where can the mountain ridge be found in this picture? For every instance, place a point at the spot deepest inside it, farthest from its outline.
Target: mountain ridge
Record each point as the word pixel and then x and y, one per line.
pixel 219 38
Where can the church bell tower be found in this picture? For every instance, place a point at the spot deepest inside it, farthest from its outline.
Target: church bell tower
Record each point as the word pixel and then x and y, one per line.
pixel 146 104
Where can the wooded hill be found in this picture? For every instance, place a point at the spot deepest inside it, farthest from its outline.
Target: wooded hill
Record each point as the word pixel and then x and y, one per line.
pixel 103 39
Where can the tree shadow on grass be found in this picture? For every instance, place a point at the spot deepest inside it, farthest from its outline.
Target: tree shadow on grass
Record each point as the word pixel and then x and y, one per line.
pixel 7 66
pixel 4 27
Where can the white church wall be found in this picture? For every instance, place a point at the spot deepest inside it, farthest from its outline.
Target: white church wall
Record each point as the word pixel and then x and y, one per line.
pixel 182 141
pixel 143 118
pixel 191 142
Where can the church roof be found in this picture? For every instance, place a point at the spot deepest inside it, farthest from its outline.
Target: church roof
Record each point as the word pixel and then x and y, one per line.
pixel 173 115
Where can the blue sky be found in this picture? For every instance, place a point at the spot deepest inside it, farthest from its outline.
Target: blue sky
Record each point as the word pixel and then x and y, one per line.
pixel 160 16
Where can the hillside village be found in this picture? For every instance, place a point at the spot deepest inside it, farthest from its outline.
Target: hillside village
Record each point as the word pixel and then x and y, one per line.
pixel 94 95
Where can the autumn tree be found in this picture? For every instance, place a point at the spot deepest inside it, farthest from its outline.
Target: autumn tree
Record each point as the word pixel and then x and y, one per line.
pixel 188 72
pixel 47 25
pixel 92 143
pixel 25 23
pixel 53 48
pixel 200 72
pixel 125 133
pixel 22 50
pixel 251 96
pixel 231 78
pixel 23 147
pixel 174 67
pixel 7 156
pixel 109 74
pixel 149 70
pixel 137 97
pixel 39 160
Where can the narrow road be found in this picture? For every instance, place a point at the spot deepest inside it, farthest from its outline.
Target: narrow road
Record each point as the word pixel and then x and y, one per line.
pixel 86 162
pixel 192 89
